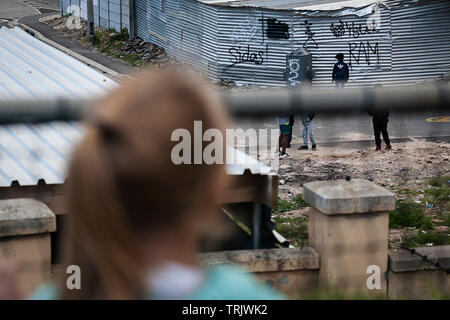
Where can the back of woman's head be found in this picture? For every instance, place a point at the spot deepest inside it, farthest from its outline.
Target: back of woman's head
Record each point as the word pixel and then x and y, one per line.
pixel 123 185
pixel 340 56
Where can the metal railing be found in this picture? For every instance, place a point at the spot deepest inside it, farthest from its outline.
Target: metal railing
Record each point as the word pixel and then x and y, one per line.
pixel 259 103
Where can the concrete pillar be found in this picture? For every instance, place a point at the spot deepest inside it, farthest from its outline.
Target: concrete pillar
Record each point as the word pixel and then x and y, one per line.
pixel 25 226
pixel 349 227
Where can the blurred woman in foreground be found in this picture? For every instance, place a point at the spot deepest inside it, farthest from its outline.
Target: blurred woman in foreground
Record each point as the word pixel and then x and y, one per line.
pixel 135 217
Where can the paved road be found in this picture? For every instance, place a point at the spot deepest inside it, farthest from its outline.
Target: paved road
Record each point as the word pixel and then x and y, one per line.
pixel 358 127
pixel 16 9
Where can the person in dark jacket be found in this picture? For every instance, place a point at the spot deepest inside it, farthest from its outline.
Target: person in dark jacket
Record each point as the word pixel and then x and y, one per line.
pixel 340 73
pixel 380 119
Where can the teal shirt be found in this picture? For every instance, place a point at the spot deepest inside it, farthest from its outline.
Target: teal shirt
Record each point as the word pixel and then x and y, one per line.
pixel 222 283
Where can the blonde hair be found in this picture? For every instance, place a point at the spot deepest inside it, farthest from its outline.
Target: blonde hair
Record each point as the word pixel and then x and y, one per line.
pixel 123 185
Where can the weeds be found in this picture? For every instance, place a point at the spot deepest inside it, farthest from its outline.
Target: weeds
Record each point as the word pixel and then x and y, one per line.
pixel 437 195
pixel 430 238
pixel 289 205
pixel 438 181
pixel 295 230
pixel 440 191
pixel 409 214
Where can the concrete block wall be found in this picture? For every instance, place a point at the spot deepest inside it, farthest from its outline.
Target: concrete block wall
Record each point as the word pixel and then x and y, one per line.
pixel 348 232
pixel 25 227
pixel 410 277
pixel 292 271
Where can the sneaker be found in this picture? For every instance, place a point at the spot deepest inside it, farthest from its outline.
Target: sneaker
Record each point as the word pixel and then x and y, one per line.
pixel 378 149
pixel 303 148
pixel 284 156
pixel 314 147
pixel 388 148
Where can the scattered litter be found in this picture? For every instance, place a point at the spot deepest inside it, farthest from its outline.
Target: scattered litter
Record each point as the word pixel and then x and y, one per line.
pixel 146 51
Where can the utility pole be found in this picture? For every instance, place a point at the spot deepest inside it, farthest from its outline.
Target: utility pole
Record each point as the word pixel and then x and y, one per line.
pixel 132 15
pixel 90 21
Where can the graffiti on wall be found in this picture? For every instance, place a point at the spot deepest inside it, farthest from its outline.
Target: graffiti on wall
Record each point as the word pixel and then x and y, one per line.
pixel 362 52
pixel 309 42
pixel 360 39
pixel 246 31
pixel 271 29
pixel 352 29
pixel 246 55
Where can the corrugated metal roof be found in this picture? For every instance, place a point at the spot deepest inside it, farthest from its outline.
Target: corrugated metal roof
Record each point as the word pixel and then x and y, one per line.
pixel 31 69
pixel 293 4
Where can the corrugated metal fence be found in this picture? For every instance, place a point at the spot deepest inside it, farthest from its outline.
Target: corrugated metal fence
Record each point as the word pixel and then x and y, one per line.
pixel 389 43
pixel 108 14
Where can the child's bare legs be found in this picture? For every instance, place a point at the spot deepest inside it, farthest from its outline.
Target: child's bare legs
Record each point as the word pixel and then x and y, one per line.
pixel 283 142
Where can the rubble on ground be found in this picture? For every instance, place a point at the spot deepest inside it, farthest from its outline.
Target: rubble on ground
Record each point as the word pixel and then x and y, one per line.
pixel 135 51
pixel 61 24
pixel 146 51
pixel 405 171
pixel 406 166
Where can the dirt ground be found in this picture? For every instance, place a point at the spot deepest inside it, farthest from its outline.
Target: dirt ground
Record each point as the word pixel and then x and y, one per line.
pixel 406 171
pixel 60 24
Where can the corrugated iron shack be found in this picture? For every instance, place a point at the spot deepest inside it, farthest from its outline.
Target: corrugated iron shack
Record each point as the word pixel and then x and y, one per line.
pixel 394 42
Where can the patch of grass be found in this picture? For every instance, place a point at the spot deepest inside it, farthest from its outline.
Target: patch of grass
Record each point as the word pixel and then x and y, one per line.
pixel 438 181
pixel 288 205
pixel 447 220
pixel 119 36
pixel 295 230
pixel 131 59
pixel 409 214
pixel 440 190
pixel 110 41
pixel 423 238
pixel 300 202
pixel 284 205
pixel 437 195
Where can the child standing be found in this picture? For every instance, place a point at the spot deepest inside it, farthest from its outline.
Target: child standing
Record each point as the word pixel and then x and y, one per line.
pixel 285 131
pixel 340 73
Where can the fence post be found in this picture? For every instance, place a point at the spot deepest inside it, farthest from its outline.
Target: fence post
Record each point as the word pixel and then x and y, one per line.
pixel 25 226
pixel 349 227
